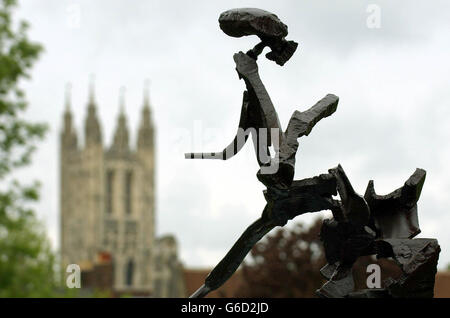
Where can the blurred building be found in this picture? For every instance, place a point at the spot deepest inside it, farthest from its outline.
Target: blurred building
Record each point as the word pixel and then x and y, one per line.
pixel 108 207
pixel 108 214
pixel 168 271
pixel 442 285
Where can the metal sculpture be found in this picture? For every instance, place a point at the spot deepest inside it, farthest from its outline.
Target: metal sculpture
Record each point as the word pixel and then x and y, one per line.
pixel 369 225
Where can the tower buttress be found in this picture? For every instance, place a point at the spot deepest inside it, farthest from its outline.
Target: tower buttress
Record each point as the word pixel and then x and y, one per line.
pixel 68 155
pixel 146 156
pixel 91 180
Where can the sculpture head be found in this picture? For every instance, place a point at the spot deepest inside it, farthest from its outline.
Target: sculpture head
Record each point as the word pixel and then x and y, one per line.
pixel 267 26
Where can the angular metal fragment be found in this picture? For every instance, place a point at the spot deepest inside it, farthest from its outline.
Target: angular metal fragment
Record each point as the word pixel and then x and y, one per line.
pixel 395 214
pixel 259 99
pixel 282 51
pixel 418 259
pixel 337 288
pixel 409 253
pixel 328 270
pixel 301 124
pixel 267 26
pixel 304 196
pixel 351 235
pixel 332 239
pixel 354 206
pixel 252 21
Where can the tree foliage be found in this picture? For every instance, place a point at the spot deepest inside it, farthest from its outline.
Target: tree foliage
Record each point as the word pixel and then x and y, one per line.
pixel 26 260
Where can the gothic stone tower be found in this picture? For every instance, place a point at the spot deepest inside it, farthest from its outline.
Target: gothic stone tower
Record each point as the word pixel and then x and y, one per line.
pixel 107 197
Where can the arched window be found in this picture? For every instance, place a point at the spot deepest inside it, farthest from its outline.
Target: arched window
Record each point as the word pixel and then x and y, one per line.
pixel 109 191
pixel 129 273
pixel 128 192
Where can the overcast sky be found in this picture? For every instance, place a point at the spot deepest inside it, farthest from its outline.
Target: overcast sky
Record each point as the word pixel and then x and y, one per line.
pixel 393 114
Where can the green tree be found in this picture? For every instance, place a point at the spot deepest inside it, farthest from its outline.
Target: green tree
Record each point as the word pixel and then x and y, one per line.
pixel 26 260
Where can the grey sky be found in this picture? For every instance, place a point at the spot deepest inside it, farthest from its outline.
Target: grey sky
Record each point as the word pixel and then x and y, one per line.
pixel 393 115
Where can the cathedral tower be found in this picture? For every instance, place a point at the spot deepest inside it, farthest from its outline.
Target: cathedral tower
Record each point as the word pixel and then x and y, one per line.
pixel 107 196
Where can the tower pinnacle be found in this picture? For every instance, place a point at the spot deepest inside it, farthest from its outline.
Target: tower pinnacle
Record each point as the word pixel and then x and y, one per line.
pixel 92 90
pixel 121 136
pixel 122 93
pixel 68 136
pixel 147 93
pixel 145 134
pixel 92 125
pixel 68 96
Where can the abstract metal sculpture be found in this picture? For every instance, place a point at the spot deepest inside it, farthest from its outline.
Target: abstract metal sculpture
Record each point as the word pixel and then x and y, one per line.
pixel 369 225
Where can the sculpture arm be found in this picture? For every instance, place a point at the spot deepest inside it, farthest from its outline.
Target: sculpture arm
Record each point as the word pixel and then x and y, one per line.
pixel 301 124
pixel 230 263
pixel 238 142
pixel 308 195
